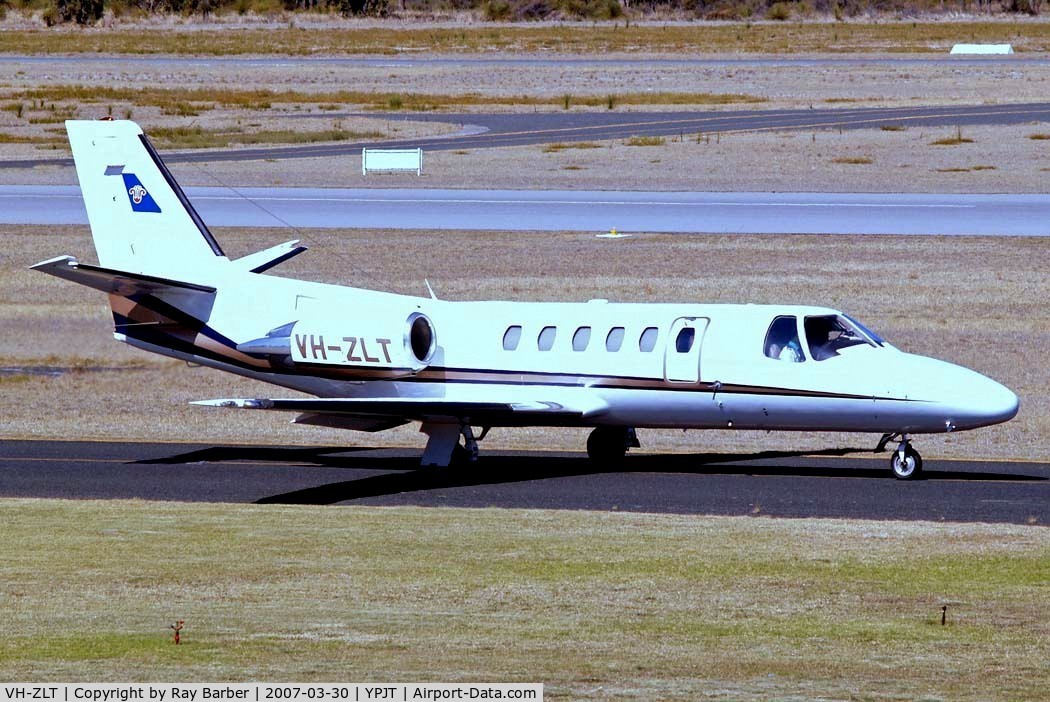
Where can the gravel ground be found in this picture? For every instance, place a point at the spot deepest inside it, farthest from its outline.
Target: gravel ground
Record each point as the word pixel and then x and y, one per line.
pixel 793 85
pixel 1000 159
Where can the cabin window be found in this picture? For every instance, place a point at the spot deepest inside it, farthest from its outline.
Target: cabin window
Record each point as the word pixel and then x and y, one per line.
pixel 647 341
pixel 684 341
pixel 511 337
pixel 545 341
pixel 782 340
pixel 614 340
pixel 581 338
pixel 829 334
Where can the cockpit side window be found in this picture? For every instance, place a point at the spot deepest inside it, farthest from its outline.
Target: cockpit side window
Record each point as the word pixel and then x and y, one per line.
pixel 782 340
pixel 829 334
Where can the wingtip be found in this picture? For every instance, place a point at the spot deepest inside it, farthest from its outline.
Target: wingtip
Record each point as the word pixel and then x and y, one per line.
pixel 52 262
pixel 235 403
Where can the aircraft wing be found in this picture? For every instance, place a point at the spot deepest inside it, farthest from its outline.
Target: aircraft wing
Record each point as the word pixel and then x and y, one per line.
pixel 364 413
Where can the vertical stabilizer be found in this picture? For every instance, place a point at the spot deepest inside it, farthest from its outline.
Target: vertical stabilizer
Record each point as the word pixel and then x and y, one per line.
pixel 140 219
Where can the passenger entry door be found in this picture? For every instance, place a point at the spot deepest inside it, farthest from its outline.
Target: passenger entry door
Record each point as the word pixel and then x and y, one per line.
pixel 682 352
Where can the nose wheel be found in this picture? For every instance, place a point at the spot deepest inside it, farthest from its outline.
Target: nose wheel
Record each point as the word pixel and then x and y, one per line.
pixel 905 463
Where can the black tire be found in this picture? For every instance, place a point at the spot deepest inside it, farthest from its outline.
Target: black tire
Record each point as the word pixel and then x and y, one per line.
pixel 460 458
pixel 607 445
pixel 909 468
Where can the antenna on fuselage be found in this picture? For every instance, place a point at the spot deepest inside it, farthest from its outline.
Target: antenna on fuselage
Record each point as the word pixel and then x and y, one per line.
pixel 430 290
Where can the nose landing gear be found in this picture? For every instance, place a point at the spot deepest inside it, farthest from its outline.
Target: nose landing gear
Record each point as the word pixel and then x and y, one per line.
pixel 905 463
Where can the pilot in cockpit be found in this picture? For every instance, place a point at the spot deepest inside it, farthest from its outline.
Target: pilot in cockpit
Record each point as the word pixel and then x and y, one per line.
pixel 782 342
pixel 828 335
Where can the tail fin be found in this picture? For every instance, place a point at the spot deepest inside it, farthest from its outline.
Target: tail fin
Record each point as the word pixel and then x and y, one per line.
pixel 140 219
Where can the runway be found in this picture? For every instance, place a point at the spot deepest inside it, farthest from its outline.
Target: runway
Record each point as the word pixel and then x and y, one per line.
pixel 485 131
pixel 597 211
pixel 770 484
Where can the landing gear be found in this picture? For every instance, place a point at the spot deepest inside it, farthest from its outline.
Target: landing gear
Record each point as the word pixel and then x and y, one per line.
pixel 906 463
pixel 610 444
pixel 470 444
pixel 443 447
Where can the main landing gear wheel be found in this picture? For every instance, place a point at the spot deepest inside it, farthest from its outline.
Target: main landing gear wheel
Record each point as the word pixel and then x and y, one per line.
pixel 906 463
pixel 610 444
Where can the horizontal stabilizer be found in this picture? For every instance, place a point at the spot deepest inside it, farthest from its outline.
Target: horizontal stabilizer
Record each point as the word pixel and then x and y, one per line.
pixel 113 281
pixel 416 408
pixel 263 261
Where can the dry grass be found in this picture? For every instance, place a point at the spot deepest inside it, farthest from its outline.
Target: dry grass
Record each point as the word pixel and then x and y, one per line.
pixel 646 141
pixel 974 301
pixel 565 146
pixel 854 160
pixel 186 101
pixel 235 116
pixel 912 37
pixel 596 606
pixel 200 138
pixel 951 141
pixel 954 140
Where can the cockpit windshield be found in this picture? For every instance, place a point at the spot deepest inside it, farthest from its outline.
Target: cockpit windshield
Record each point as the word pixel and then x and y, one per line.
pixel 828 335
pixel 867 332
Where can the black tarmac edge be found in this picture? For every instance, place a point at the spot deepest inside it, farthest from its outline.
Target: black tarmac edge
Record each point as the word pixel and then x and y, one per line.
pixel 833 483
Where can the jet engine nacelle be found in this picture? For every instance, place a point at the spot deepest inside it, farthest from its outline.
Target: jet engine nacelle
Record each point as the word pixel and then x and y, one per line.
pixel 404 346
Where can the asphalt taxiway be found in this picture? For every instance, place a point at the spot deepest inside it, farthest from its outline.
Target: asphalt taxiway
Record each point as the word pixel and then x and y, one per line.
pixel 485 131
pixel 832 483
pixel 588 211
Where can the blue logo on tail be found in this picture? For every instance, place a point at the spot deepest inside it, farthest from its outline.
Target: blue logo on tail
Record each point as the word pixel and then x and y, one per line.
pixel 138 196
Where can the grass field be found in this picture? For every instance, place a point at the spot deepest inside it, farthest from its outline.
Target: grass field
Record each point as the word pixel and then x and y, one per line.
pixel 777 37
pixel 596 606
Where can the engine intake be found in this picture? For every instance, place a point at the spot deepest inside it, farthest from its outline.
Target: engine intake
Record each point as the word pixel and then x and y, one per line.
pixel 399 348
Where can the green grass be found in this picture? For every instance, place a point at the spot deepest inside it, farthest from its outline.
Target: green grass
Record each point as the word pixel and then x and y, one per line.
pixel 615 606
pixel 907 36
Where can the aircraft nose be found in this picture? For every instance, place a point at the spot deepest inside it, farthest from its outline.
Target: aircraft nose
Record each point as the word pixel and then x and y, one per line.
pixel 1001 403
pixel 987 402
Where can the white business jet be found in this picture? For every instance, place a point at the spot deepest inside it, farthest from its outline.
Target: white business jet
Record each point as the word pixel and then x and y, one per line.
pixel 375 360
